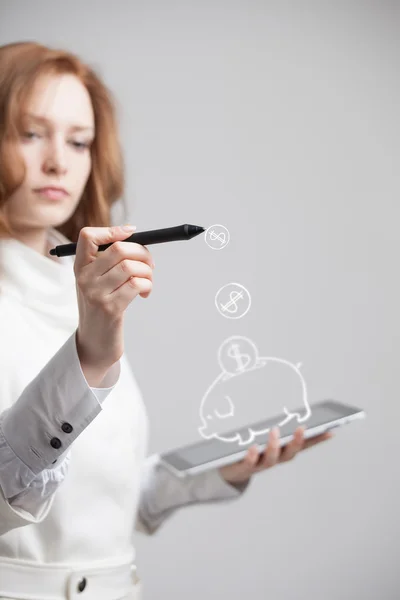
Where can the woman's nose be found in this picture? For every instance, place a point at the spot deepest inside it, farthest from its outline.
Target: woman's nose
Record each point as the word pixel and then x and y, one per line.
pixel 55 159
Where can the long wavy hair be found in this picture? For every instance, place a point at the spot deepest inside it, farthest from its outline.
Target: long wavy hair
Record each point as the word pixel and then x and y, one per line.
pixel 21 64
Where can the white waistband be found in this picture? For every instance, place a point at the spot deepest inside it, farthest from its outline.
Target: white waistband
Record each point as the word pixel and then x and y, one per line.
pixel 37 582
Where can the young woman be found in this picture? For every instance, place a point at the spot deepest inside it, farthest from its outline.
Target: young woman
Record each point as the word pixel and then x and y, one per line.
pixel 75 483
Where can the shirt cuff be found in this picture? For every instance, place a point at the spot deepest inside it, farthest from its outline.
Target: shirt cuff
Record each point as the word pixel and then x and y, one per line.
pixel 162 492
pixel 52 411
pixel 19 483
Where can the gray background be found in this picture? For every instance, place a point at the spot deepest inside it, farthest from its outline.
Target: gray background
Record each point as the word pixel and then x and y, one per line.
pixel 280 121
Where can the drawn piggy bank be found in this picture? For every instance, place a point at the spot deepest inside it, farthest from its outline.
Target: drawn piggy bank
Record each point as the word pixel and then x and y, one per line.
pixel 267 388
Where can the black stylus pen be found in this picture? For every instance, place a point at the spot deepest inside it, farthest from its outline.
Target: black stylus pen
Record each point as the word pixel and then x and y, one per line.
pixel 154 236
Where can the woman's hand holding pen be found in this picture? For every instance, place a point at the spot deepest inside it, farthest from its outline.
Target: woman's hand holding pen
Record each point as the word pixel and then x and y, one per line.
pixel 106 284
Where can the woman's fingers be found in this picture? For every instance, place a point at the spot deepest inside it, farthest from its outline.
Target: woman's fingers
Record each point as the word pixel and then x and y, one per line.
pixel 249 461
pixel 291 449
pixel 118 276
pixel 255 462
pixel 317 439
pixel 271 453
pixel 274 453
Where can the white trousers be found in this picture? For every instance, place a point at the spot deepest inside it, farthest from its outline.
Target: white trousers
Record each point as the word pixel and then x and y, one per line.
pixel 20 580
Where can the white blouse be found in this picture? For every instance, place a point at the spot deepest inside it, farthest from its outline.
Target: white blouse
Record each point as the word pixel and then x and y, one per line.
pixel 73 460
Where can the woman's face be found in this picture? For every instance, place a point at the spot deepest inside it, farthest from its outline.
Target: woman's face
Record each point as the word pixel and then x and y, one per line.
pixel 57 133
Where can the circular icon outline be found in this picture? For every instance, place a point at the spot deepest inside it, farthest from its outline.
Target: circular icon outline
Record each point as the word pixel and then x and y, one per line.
pixel 243 288
pixel 217 225
pixel 237 338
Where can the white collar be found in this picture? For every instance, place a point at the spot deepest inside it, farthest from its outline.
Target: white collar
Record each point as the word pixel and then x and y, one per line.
pixel 38 281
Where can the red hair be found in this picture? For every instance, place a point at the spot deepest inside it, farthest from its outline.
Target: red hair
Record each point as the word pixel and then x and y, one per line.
pixel 21 64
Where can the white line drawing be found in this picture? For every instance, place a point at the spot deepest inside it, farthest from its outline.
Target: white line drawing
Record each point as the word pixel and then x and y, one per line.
pixel 217 237
pixel 239 360
pixel 230 413
pixel 233 301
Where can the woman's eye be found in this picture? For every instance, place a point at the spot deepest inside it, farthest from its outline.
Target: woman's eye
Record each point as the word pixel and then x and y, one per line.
pixel 77 145
pixel 80 145
pixel 29 134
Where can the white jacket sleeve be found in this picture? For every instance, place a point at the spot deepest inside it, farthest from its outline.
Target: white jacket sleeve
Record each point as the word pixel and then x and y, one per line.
pixel 36 433
pixel 162 493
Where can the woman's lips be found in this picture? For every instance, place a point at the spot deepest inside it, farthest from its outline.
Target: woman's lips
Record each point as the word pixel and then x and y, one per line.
pixel 52 193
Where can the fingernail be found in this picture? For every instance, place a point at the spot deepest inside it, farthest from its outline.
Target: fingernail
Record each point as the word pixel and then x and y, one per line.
pixel 128 228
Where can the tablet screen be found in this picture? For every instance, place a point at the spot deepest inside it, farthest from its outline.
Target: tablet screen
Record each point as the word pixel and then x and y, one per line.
pixel 209 450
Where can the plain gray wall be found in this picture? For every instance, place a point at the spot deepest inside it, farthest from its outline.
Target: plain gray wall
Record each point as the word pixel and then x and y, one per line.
pixel 280 121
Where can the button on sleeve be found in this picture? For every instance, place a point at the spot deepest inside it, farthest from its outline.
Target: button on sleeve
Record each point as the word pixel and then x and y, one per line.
pixel 59 395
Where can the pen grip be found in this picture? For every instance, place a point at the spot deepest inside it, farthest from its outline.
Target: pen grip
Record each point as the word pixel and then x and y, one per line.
pixel 157 236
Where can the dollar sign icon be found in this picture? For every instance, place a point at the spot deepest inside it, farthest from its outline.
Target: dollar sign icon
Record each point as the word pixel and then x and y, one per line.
pixel 232 306
pixel 220 236
pixel 234 352
pixel 233 301
pixel 217 237
pixel 237 354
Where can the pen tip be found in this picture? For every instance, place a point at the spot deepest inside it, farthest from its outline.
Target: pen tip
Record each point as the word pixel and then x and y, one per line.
pixel 192 230
pixel 52 252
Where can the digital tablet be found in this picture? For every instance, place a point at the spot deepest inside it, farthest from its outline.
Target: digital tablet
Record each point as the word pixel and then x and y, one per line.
pixel 209 454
